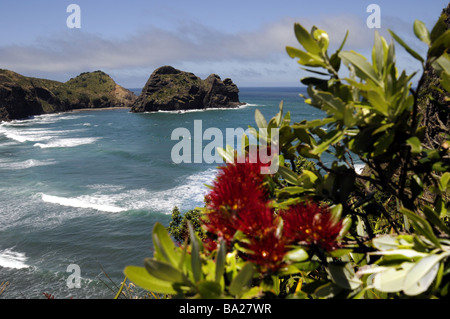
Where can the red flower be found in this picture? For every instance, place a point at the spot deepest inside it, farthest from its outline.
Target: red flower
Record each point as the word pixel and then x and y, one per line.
pixel 237 193
pixel 267 251
pixel 239 201
pixel 312 225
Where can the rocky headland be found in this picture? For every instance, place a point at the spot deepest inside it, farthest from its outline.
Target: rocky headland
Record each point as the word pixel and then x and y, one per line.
pixel 22 97
pixel 169 89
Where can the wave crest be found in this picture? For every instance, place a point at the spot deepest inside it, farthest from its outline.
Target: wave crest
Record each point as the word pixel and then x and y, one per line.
pixel 12 259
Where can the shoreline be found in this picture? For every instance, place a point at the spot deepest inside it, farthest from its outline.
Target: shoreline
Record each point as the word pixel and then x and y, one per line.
pixel 70 111
pixel 98 109
pixel 243 105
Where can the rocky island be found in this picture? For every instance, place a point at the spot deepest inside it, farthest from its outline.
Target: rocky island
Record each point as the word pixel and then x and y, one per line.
pixel 22 97
pixel 169 89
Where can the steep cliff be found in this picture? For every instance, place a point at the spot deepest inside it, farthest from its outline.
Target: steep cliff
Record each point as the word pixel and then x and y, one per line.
pixel 22 97
pixel 170 89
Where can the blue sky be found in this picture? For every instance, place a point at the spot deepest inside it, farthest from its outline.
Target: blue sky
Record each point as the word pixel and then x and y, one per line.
pixel 244 40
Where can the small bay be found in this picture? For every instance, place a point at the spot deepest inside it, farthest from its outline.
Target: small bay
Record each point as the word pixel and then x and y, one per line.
pixel 87 187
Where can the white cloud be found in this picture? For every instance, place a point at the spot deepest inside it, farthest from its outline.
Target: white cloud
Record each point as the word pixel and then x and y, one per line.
pixel 191 44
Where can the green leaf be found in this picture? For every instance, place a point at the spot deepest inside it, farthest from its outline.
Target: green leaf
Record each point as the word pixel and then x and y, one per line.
pixel 314 71
pixel 421 32
pixel 399 254
pixel 445 81
pixel 346 225
pixel 421 226
pixel 314 123
pixel 420 277
pixel 416 145
pixel 344 276
pixel 322 39
pixel 433 217
pixel 308 179
pixel 220 260
pixel 440 45
pixel 164 246
pixel 209 290
pixel 442 64
pixel 328 291
pixel 336 213
pixel 444 182
pixel 297 255
pixel 360 63
pixel 329 103
pixel 322 83
pixel 260 120
pixel 391 279
pixel 383 128
pixel 340 252
pixel 292 190
pixel 385 242
pixel 406 47
pixel 306 40
pixel 141 277
pixel 378 53
pixel 439 28
pixel 242 281
pixel 119 292
pixel 195 254
pixel 305 58
pixel 331 138
pixel 288 175
pixel 279 115
pixel 378 102
pixel 382 144
pixel 343 41
pixel 163 270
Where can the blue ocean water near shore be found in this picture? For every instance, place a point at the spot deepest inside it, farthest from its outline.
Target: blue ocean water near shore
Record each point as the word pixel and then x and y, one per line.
pixel 87 187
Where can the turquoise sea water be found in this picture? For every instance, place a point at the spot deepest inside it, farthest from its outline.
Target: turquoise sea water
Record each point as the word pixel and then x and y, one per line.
pixel 86 188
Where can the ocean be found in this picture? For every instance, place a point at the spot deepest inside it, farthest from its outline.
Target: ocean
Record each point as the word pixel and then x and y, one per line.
pixel 85 188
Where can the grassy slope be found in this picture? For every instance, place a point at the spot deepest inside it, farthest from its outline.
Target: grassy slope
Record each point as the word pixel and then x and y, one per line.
pixel 90 89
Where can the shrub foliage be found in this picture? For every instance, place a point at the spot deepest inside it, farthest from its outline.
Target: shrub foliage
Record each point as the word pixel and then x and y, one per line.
pixel 320 229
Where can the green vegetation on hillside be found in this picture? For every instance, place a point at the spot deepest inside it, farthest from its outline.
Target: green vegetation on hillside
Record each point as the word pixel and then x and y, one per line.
pixel 23 96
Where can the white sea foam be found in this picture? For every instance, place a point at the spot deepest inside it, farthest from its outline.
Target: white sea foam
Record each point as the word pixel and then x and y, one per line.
pixel 187 195
pixel 25 164
pixel 12 259
pixel 45 138
pixel 8 143
pixel 22 134
pixel 97 202
pixel 112 198
pixel 205 110
pixel 41 119
pixel 68 142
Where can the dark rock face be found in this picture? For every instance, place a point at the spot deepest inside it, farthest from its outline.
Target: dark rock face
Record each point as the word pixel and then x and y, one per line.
pixel 169 89
pixel 18 102
pixel 22 97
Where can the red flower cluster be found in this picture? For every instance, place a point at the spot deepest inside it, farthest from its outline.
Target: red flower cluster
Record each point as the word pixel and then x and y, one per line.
pixel 312 225
pixel 239 201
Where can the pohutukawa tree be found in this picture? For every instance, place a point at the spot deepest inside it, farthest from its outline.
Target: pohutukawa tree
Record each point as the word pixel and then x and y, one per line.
pixel 319 229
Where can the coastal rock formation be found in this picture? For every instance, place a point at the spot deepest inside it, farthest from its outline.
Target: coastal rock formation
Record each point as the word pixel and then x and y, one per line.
pixel 22 97
pixel 169 89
